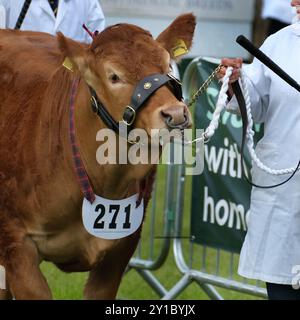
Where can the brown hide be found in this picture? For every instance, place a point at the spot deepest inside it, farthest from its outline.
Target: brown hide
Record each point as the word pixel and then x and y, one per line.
pixel 40 199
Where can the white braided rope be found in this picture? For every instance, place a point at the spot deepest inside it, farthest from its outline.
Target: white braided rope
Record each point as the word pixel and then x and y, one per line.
pixel 250 135
pixel 221 105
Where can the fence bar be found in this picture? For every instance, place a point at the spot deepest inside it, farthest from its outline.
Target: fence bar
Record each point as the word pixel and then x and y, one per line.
pixel 152 226
pixel 178 288
pixel 228 284
pixel 153 282
pixel 210 291
pixel 231 266
pixel 139 250
pixel 218 262
pixel 204 259
pixel 191 258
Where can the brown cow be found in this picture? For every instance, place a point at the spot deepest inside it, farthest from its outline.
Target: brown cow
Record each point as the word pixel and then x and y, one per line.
pixel 40 198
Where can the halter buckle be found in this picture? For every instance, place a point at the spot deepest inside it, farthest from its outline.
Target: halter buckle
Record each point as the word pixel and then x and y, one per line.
pixel 132 118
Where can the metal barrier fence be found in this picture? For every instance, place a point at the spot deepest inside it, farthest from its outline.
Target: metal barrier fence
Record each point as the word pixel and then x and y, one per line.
pixel 201 264
pixel 196 263
pixel 204 265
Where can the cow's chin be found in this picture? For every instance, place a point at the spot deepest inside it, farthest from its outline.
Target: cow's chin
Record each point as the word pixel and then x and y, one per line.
pixel 163 136
pixel 157 133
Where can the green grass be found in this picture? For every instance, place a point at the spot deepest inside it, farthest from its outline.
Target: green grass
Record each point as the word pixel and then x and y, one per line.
pixel 70 286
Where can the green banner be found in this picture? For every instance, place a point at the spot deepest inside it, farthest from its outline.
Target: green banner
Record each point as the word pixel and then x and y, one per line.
pixel 220 196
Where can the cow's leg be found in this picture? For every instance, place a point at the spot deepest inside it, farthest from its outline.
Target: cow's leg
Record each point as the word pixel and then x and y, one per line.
pixel 104 281
pixel 23 275
pixel 6 294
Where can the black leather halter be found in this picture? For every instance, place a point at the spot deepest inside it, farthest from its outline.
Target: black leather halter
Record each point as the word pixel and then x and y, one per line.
pixel 143 91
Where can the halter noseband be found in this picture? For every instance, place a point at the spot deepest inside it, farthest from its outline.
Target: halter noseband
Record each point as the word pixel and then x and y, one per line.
pixel 143 91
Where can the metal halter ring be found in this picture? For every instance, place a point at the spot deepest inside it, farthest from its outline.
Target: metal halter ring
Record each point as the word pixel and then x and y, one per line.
pixel 132 117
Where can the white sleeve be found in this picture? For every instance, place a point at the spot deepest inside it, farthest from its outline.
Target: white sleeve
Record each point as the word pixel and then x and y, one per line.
pixel 258 83
pixel 96 19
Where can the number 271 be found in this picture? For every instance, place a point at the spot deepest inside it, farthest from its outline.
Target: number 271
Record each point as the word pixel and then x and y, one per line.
pixel 114 209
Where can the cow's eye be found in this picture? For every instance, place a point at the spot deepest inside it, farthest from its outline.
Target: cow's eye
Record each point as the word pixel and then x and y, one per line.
pixel 114 78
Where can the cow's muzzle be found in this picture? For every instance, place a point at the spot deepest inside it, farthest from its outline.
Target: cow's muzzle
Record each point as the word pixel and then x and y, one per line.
pixel 176 117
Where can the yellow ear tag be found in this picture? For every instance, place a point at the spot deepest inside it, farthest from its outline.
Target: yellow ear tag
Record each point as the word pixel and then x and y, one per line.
pixel 68 64
pixel 180 49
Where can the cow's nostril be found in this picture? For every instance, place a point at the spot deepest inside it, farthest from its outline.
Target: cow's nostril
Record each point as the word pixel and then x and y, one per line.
pixel 174 114
pixel 167 117
pixel 176 117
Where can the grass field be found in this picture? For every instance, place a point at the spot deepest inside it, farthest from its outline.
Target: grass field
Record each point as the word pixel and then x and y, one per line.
pixel 70 286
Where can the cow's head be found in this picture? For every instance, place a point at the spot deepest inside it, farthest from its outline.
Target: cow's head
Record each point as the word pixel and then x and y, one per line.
pixel 123 55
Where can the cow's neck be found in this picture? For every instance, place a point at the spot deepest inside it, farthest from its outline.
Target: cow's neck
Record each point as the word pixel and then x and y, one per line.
pixel 112 181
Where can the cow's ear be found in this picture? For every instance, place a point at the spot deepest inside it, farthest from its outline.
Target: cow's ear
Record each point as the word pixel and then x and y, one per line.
pixel 77 56
pixel 178 37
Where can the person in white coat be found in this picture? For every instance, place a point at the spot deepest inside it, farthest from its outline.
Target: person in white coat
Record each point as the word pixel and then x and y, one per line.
pixel 271 250
pixel 51 16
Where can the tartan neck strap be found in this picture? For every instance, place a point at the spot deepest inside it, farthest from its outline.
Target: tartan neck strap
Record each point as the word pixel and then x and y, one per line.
pixel 81 173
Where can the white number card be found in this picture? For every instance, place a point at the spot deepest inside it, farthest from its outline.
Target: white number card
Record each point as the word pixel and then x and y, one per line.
pixel 112 219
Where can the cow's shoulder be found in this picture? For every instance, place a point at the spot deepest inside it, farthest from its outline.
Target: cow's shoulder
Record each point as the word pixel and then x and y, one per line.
pixel 29 53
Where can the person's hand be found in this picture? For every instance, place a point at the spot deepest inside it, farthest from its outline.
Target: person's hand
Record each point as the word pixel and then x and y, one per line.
pixel 296 3
pixel 236 64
